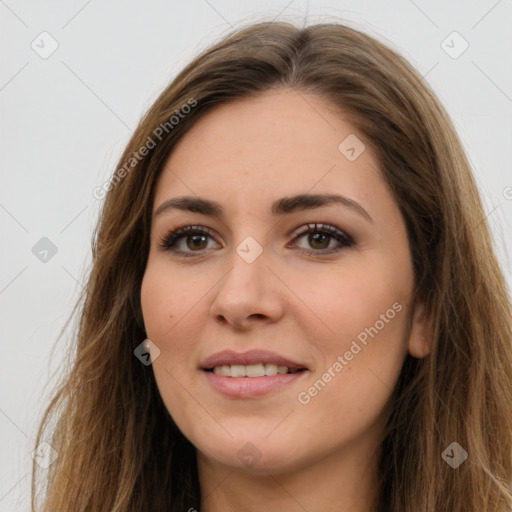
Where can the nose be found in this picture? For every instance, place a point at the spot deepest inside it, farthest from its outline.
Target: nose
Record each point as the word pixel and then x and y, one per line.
pixel 248 294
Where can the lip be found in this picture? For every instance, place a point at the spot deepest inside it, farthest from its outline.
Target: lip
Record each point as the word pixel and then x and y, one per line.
pixel 230 357
pixel 249 387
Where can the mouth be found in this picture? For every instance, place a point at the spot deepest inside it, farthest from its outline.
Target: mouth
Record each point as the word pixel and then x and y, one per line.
pixel 251 374
pixel 253 370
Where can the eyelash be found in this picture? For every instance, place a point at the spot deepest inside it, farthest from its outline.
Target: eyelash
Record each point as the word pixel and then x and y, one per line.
pixel 169 240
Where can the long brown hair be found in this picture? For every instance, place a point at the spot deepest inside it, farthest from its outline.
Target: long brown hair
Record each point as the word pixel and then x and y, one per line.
pixel 119 449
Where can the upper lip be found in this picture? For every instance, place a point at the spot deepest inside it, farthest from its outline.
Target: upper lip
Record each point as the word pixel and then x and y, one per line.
pixel 230 357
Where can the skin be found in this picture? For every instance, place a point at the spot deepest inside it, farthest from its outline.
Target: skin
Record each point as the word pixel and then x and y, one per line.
pixel 309 307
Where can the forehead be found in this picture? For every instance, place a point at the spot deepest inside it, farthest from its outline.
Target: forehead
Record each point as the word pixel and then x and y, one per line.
pixel 281 142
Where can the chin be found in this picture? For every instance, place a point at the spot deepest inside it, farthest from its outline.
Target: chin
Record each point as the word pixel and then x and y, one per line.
pixel 250 453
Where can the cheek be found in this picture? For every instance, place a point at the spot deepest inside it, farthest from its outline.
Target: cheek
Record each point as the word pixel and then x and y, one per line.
pixel 353 299
pixel 164 300
pixel 363 351
pixel 164 306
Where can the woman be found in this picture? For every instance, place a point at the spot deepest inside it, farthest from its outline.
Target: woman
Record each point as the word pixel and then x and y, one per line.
pixel 295 242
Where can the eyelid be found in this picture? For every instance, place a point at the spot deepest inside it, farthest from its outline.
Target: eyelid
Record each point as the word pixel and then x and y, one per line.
pixel 339 235
pixel 181 232
pixel 168 241
pixel 319 226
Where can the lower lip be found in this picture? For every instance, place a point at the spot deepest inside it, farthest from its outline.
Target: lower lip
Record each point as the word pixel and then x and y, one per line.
pixel 249 387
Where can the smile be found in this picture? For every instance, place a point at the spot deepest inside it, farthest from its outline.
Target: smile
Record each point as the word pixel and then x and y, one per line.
pixel 252 370
pixel 252 373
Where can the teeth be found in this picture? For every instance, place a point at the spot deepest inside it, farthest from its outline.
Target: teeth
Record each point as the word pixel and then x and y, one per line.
pixel 238 370
pixel 254 370
pixel 271 369
pixel 250 370
pixel 222 370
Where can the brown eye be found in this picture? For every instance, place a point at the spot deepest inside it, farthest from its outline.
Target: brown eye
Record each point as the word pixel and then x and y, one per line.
pixel 319 237
pixel 196 241
pixel 319 240
pixel 193 240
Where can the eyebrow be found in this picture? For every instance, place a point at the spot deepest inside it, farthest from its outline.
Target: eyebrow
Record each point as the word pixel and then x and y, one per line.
pixel 283 206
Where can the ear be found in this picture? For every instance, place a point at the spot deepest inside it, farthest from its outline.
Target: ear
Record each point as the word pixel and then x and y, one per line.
pixel 420 339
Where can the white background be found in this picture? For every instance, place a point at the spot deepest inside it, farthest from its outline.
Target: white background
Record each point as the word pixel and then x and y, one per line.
pixel 65 120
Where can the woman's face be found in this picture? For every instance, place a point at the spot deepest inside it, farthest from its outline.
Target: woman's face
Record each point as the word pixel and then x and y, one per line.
pixel 260 289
